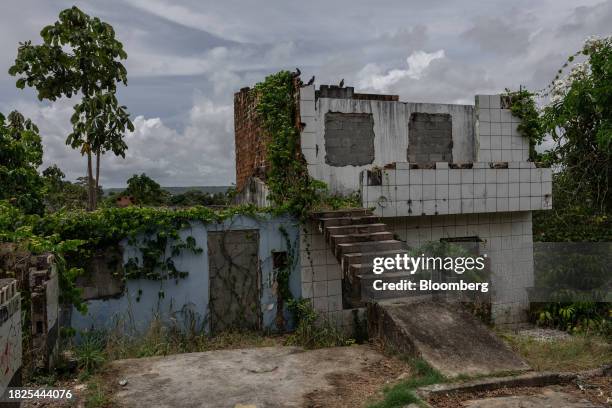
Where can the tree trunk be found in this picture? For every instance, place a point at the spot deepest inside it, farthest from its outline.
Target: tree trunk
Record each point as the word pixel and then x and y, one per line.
pixel 90 182
pixel 98 154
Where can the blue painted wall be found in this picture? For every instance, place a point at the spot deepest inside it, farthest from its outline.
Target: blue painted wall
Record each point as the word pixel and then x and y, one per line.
pixel 187 300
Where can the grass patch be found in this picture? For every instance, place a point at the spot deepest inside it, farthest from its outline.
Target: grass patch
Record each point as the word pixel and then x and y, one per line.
pixel 579 352
pixel 162 340
pixel 402 393
pixel 314 331
pixel 98 394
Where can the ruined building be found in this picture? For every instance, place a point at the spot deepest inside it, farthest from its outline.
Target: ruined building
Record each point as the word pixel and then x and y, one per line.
pixel 430 172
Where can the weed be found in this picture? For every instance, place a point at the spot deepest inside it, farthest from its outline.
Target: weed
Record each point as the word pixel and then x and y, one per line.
pixel 402 393
pixel 90 351
pixel 97 395
pixel 314 331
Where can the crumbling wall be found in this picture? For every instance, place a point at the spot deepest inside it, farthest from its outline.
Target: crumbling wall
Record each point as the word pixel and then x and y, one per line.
pixel 255 191
pixel 44 293
pixel 10 335
pixel 250 138
pixel 36 277
pixel 104 275
pixel 391 127
pixel 186 302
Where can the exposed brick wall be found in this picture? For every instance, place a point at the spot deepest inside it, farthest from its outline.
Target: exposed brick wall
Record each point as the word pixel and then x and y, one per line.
pixel 250 138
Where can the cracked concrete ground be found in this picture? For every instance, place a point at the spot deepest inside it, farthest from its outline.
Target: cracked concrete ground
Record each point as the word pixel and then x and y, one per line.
pixel 260 377
pixel 547 399
pixel 594 392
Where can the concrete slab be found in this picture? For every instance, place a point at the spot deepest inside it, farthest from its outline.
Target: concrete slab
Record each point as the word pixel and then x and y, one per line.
pixel 547 399
pixel 449 338
pixel 259 377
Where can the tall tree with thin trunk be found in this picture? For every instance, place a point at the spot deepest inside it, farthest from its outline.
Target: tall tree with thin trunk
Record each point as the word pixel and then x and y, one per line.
pixel 80 56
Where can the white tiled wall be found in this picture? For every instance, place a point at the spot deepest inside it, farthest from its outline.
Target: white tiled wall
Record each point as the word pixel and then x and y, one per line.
pixel 391 134
pixel 507 241
pixel 440 191
pixel 497 132
pixel 322 278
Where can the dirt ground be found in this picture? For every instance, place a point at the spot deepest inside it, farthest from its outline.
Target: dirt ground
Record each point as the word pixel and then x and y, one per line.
pixel 594 392
pixel 350 390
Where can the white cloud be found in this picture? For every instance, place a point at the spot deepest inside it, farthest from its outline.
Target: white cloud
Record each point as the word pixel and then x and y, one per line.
pixel 372 76
pixel 176 47
pixel 418 61
pixel 201 154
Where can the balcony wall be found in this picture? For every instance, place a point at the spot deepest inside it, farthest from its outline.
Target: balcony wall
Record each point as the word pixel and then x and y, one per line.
pixel 403 191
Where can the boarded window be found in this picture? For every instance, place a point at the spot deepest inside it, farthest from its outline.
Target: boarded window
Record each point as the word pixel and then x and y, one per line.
pixel 430 138
pixel 234 280
pixel 349 139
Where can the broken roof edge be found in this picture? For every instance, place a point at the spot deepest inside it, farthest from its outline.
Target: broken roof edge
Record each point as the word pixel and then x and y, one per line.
pixel 348 92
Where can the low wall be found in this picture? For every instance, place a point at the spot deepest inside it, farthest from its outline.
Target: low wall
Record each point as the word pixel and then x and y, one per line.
pixel 187 301
pixel 10 335
pixel 36 278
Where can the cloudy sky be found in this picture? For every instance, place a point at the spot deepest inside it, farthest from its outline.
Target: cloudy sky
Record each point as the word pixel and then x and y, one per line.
pixel 186 59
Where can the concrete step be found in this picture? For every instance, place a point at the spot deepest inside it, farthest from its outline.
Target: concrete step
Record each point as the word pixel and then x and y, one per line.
pixel 347 212
pixel 359 269
pixel 367 257
pixel 355 229
pixel 368 237
pixel 374 246
pixel 444 334
pixel 338 221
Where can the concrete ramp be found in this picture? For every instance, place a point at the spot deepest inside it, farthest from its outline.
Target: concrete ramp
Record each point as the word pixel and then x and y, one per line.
pixel 449 338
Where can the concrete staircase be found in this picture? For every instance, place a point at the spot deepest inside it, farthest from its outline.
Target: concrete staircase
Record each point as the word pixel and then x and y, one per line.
pixel 356 237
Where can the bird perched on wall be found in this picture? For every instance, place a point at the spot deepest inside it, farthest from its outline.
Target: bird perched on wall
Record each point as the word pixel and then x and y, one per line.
pixel 341 83
pixel 297 72
pixel 311 80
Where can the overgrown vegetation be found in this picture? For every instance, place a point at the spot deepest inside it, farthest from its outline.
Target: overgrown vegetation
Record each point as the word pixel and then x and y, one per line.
pixel 80 55
pixel 74 236
pixel 314 331
pixel 402 393
pixel 292 189
pixel 576 353
pixel 523 106
pixel 578 119
pixel 160 339
pixel 21 153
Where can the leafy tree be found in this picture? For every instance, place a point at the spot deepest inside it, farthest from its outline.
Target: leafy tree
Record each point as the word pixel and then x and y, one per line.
pixel 20 155
pixel 60 194
pixel 54 175
pixel 145 190
pixel 579 119
pixel 195 197
pixel 80 55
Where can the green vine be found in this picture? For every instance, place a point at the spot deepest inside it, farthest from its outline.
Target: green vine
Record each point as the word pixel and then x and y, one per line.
pixel 291 187
pixel 523 106
pixel 154 232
